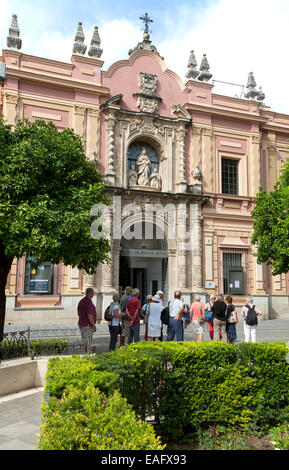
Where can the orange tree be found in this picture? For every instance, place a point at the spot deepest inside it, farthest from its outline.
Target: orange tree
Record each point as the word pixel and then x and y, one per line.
pixel 271 225
pixel 47 189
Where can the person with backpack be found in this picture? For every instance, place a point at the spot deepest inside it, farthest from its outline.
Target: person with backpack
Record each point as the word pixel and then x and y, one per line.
pixel 250 314
pixel 232 320
pixel 114 324
pixel 220 316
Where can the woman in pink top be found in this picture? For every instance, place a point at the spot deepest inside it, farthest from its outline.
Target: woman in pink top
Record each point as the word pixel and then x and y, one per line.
pixel 197 318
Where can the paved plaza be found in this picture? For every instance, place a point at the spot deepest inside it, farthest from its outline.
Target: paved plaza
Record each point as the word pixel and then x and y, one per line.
pixel 20 413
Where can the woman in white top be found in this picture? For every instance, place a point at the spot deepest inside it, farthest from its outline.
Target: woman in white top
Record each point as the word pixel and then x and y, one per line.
pixel 154 319
pixel 114 324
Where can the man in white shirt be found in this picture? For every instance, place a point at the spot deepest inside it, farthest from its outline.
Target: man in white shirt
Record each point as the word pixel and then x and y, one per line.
pixel 176 309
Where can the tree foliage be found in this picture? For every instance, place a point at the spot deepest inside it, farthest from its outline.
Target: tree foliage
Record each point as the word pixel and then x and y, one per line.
pixel 47 189
pixel 271 225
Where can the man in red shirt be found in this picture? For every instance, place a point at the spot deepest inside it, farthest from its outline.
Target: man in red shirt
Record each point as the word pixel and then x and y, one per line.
pixel 86 319
pixel 133 308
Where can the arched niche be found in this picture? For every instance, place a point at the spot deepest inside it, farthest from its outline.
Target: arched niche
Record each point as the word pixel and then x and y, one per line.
pixel 151 148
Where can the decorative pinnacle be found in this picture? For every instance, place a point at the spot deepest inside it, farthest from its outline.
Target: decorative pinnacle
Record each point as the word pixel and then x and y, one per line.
pixel 251 87
pixel 79 47
pixel 192 67
pixel 13 40
pixel 261 95
pixel 204 70
pixel 95 50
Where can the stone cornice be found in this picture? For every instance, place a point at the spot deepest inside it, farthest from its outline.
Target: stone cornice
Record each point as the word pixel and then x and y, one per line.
pixel 276 128
pixel 53 80
pixel 86 60
pixel 141 194
pixel 36 59
pixel 220 112
pixel 195 83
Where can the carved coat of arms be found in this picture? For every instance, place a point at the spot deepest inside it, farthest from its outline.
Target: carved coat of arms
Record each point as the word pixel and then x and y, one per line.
pixel 147 82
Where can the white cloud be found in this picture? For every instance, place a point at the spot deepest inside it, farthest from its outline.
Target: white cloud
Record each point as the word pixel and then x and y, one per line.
pixel 238 36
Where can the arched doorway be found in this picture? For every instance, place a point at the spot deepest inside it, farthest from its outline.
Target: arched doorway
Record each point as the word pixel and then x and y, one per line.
pixel 144 260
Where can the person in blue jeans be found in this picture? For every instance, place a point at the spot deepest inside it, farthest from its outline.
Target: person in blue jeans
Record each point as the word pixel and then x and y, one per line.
pixel 176 309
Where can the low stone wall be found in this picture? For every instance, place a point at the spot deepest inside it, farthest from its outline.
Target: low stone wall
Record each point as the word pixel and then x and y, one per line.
pixel 21 374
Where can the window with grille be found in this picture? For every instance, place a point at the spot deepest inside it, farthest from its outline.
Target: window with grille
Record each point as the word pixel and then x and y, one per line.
pixel 231 260
pixel 230 176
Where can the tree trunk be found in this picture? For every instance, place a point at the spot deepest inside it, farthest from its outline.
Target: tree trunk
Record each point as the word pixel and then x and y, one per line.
pixel 5 266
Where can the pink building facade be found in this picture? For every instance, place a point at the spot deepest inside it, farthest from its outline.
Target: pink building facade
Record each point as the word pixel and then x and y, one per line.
pixel 181 164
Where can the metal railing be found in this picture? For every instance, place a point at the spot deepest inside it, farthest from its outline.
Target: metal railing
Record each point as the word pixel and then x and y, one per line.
pixel 33 343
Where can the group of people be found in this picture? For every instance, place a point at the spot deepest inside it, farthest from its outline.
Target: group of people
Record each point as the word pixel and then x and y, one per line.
pixel 221 318
pixel 219 314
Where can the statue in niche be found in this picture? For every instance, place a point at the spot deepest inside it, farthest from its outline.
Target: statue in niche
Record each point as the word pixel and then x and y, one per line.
pixel 197 174
pixel 155 179
pixel 143 165
pixel 132 176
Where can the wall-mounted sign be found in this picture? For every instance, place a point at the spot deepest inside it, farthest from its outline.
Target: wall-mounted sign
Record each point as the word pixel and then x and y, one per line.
pixel 210 285
pixel 144 253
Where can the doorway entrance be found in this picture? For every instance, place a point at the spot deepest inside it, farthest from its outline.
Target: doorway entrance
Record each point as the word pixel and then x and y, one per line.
pixel 144 265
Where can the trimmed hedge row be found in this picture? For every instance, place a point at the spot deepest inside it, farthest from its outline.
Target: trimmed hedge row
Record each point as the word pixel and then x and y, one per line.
pixel 14 348
pixel 184 386
pixel 86 412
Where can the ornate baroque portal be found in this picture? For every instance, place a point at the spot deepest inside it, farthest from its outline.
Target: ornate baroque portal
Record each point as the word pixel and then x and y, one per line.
pixel 146 167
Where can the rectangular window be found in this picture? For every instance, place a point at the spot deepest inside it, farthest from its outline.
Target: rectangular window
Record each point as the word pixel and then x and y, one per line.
pixel 233 275
pixel 230 176
pixel 39 279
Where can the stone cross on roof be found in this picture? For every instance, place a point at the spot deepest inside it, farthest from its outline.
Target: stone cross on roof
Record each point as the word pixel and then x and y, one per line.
pixel 147 20
pixel 146 44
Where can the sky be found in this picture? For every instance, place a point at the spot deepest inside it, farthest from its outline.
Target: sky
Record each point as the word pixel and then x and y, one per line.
pixel 238 36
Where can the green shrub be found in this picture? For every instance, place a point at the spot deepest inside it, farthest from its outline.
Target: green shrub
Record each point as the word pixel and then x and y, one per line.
pixel 280 436
pixel 48 347
pixel 267 365
pixel 77 371
pixel 186 386
pixel 86 419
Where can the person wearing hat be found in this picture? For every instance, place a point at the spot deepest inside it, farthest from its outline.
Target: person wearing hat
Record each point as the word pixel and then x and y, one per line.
pixel 161 296
pixel 154 319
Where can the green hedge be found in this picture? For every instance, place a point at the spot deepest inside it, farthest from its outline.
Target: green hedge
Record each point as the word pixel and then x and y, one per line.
pixel 185 386
pixel 12 349
pixel 79 416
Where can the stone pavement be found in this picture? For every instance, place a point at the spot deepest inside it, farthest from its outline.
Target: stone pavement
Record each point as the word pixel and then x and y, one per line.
pixel 268 330
pixel 20 413
pixel 20 416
